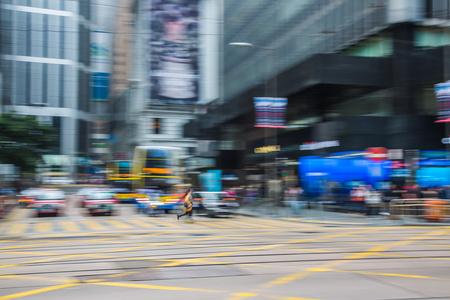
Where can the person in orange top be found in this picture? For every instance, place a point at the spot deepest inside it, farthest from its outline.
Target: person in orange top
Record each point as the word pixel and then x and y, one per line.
pixel 188 204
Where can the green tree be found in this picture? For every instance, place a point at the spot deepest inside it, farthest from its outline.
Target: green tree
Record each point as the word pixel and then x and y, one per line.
pixel 23 140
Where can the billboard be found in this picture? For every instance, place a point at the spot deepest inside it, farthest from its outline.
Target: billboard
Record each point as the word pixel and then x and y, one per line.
pixel 100 49
pixel 173 52
pixel 269 112
pixel 442 91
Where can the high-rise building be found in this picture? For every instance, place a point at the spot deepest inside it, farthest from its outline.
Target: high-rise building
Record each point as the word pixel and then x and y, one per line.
pixel 356 73
pixel 46 68
pixel 102 27
pixel 172 71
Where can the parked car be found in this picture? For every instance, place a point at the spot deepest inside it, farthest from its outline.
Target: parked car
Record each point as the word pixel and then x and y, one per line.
pixel 83 193
pixel 57 180
pixel 101 202
pixel 149 202
pixel 26 197
pixel 50 201
pixel 214 203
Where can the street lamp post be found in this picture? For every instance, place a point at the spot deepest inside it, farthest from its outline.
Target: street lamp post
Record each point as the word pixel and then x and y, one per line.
pixel 270 87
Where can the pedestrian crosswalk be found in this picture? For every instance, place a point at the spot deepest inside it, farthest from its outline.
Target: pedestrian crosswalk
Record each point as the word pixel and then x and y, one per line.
pixel 111 225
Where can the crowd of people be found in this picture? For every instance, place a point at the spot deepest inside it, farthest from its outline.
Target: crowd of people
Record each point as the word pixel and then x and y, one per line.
pixel 371 201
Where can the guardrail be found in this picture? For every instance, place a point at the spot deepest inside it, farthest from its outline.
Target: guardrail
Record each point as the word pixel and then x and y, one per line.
pixel 428 209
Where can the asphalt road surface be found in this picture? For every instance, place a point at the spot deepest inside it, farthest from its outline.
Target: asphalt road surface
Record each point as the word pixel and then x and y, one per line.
pixel 77 256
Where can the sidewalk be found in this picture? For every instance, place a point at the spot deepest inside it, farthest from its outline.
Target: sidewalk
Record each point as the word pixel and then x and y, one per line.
pixel 320 216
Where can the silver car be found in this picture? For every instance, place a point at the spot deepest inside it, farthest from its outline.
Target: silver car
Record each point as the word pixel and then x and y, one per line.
pixel 214 203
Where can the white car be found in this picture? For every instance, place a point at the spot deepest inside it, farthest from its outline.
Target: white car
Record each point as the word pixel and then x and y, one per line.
pixel 49 201
pixel 214 203
pixel 57 180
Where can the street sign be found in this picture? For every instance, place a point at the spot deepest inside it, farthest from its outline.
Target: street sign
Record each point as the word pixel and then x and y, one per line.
pixel 377 154
pixel 442 92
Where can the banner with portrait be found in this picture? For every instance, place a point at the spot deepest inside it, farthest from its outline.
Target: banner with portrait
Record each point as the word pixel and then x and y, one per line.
pixel 173 52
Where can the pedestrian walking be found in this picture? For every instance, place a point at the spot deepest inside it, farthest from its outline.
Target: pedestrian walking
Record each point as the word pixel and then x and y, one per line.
pixel 188 204
pixel 296 201
pixel 372 200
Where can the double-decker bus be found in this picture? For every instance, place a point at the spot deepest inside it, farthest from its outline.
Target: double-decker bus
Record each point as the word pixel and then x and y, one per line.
pixel 119 174
pixel 158 167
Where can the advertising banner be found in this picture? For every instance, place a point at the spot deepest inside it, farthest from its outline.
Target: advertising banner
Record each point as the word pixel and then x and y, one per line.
pixel 270 112
pixel 100 48
pixel 173 52
pixel 442 91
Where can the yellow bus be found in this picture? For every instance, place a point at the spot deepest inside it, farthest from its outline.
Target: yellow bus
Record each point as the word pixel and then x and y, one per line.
pixel 158 167
pixel 119 173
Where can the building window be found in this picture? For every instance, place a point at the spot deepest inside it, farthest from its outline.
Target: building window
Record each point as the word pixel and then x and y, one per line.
pixel 155 125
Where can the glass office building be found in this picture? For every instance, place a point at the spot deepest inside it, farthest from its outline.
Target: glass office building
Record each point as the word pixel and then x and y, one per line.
pixel 45 66
pixel 360 72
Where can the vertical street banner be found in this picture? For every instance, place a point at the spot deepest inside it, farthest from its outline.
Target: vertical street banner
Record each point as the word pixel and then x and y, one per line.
pixel 270 112
pixel 442 92
pixel 100 52
pixel 173 52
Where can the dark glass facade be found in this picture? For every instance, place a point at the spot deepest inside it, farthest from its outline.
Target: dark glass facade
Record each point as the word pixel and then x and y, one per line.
pixel 45 65
pixel 358 72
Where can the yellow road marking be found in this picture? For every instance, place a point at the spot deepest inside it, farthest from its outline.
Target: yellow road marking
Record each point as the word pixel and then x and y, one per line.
pixel 195 224
pixel 18 228
pixel 155 287
pixel 435 245
pixel 163 223
pixel 323 222
pixel 247 223
pixel 38 278
pixel 38 291
pixel 280 223
pixel 126 249
pixel 212 224
pixel 362 243
pixel 376 274
pixel 369 252
pixel 235 224
pixel 411 256
pixel 32 253
pixel 186 223
pixel 32 245
pixel 309 250
pixel 39 261
pixel 144 224
pixel 93 225
pixel 118 224
pixel 176 288
pixel 70 226
pixel 245 295
pixel 43 227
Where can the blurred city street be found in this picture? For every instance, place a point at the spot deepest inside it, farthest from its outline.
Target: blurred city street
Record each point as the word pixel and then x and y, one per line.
pixel 75 256
pixel 224 149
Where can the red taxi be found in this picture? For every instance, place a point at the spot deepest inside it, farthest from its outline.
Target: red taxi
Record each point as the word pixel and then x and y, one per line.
pixel 101 202
pixel 26 197
pixel 49 201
